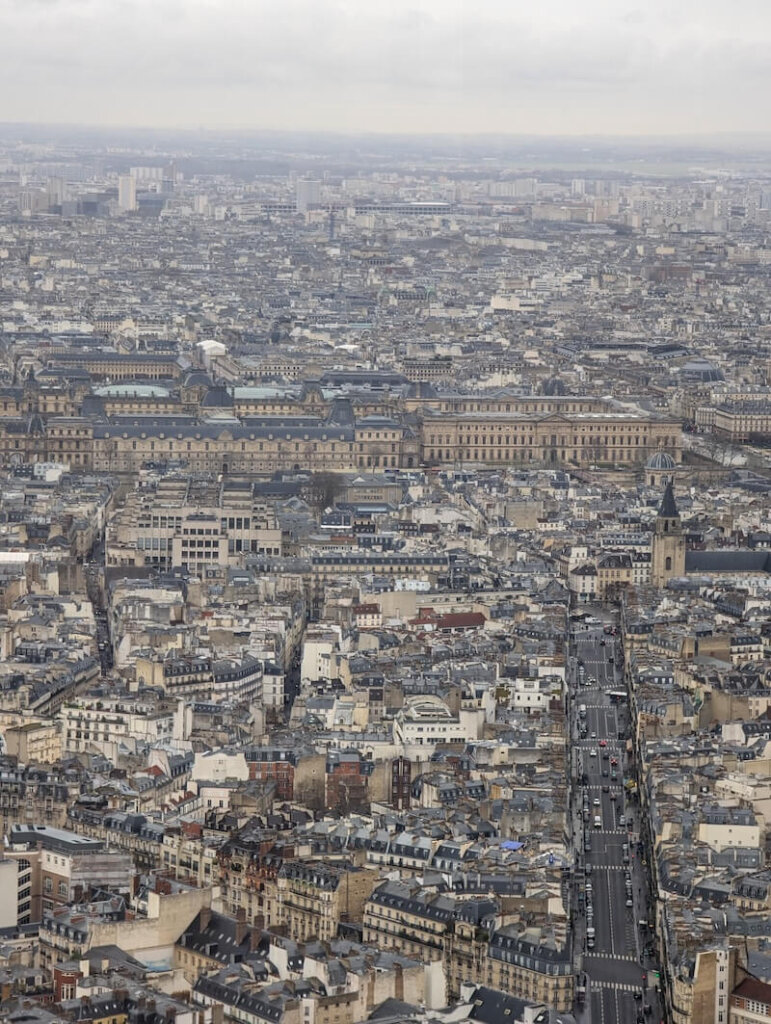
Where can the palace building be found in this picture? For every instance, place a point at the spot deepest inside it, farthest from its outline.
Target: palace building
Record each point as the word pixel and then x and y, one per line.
pixel 120 428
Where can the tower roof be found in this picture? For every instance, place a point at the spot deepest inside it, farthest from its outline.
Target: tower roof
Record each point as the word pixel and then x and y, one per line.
pixel 668 508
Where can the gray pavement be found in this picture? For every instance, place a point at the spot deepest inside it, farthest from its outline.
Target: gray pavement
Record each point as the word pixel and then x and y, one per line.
pixel 615 973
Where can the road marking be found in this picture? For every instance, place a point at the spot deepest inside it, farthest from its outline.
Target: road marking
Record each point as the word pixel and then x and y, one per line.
pixel 611 956
pixel 620 986
pixel 598 866
pixel 610 918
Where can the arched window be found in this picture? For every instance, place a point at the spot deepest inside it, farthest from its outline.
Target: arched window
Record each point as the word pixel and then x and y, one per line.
pixel 668 563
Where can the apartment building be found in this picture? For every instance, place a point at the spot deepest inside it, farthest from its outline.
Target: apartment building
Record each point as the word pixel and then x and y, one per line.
pixel 725 827
pixel 742 421
pixel 704 992
pixel 32 742
pixel 212 679
pixel 750 1002
pixel 212 941
pixel 105 723
pixel 535 969
pixel 36 794
pixel 396 917
pixel 314 898
pixel 426 721
pixel 431 926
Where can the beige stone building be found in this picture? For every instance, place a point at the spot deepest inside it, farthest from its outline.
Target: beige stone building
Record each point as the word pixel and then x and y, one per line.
pixel 247 431
pixel 313 898
pixel 32 742
pixel 702 994
pixel 433 927
pixel 582 430
pixel 181 524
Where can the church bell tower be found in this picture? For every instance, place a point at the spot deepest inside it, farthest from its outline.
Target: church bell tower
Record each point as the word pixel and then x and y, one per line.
pixel 668 549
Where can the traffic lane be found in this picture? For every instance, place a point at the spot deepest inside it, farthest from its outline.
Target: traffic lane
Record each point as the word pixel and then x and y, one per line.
pixel 611 724
pixel 597 720
pixel 608 808
pixel 620 914
pixel 597 1007
pixel 596 717
pixel 612 1003
pixel 614 841
pixel 606 847
pixel 601 858
pixel 603 925
pixel 628 1007
pixel 590 652
pixel 608 1008
pixel 594 670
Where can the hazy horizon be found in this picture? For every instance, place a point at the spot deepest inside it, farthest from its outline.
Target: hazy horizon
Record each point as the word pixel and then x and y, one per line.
pixel 334 66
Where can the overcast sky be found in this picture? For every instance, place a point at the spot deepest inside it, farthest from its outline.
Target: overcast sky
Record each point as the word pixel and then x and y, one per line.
pixel 544 66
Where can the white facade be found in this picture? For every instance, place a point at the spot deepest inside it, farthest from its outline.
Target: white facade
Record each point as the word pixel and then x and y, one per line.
pixel 426 721
pixel 127 193
pixel 317 655
pixel 220 766
pixel 104 724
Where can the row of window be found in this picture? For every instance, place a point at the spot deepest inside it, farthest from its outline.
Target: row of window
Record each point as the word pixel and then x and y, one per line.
pixel 520 455
pixel 63 889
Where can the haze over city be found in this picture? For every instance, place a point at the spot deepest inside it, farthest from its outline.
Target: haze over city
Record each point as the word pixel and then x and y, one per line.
pixel 447 66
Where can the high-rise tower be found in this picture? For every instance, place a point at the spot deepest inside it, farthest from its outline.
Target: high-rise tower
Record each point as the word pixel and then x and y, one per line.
pixel 127 193
pixel 307 194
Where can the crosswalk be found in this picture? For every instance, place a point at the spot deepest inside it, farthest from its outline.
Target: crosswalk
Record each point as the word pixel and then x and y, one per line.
pixel 611 956
pixel 618 986
pixel 597 865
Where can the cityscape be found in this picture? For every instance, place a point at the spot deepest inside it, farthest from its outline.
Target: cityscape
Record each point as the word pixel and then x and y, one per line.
pixel 385 578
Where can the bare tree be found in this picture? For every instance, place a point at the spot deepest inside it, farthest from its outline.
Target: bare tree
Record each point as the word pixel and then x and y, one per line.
pixel 324 490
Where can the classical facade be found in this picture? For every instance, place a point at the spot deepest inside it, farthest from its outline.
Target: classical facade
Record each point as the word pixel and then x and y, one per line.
pixel 122 427
pixel 464 935
pixel 519 434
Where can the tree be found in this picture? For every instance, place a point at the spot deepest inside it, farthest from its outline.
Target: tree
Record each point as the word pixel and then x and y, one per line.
pixel 324 490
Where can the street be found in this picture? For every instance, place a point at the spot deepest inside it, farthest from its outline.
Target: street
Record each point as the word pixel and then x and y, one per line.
pixel 611 904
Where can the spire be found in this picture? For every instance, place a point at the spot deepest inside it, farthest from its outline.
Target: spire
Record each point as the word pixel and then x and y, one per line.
pixel 668 508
